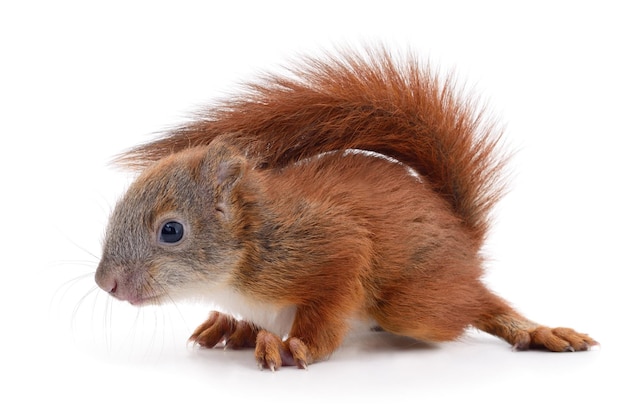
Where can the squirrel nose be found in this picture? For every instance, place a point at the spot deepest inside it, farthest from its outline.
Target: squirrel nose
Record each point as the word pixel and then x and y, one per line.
pixel 108 285
pixel 106 282
pixel 114 288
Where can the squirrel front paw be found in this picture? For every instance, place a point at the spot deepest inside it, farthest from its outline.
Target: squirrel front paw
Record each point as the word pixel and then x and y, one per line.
pixel 271 352
pixel 222 328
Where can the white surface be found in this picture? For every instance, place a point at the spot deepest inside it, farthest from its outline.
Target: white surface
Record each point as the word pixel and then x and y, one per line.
pixel 80 83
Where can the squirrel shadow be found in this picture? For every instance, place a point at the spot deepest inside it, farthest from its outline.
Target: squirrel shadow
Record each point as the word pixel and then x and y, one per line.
pixel 372 343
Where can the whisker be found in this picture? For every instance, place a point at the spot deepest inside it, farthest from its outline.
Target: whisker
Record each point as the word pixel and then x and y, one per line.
pixel 80 247
pixel 108 317
pixel 77 262
pixel 132 332
pixel 157 290
pixel 62 291
pixel 79 304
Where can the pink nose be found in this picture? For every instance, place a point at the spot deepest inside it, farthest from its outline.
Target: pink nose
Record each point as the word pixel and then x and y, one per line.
pixel 107 282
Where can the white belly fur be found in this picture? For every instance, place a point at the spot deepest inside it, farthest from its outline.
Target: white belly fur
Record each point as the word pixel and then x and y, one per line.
pixel 273 318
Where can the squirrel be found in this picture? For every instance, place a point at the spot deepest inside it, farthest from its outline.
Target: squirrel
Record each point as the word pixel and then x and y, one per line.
pixel 356 187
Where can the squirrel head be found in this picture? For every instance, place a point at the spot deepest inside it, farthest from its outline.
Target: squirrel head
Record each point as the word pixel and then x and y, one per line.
pixel 175 228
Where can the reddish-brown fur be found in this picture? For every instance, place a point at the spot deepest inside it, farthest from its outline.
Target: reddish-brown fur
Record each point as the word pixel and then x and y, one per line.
pixel 343 235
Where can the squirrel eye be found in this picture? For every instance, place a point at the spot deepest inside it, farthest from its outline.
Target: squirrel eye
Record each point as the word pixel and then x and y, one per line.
pixel 171 232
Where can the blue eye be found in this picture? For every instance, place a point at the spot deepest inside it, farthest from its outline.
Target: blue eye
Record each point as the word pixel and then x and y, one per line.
pixel 171 232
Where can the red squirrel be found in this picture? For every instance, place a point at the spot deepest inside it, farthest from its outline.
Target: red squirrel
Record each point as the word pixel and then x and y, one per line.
pixel 355 188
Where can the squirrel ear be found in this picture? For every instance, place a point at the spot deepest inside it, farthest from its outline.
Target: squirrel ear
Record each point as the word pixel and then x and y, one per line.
pixel 228 175
pixel 225 166
pixel 229 172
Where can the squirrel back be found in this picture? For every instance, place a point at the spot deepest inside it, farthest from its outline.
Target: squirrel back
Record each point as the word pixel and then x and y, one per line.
pixel 368 102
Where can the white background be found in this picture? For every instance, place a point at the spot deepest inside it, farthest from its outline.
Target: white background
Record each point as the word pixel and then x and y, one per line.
pixel 80 82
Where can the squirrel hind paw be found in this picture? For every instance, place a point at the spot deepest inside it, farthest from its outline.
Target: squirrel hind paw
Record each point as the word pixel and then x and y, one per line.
pixel 554 339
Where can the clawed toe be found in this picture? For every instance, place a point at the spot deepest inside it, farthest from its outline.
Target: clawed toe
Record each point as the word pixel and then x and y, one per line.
pixel 222 328
pixel 272 353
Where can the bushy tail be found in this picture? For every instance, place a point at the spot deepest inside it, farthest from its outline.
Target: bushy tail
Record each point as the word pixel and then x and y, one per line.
pixel 360 101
